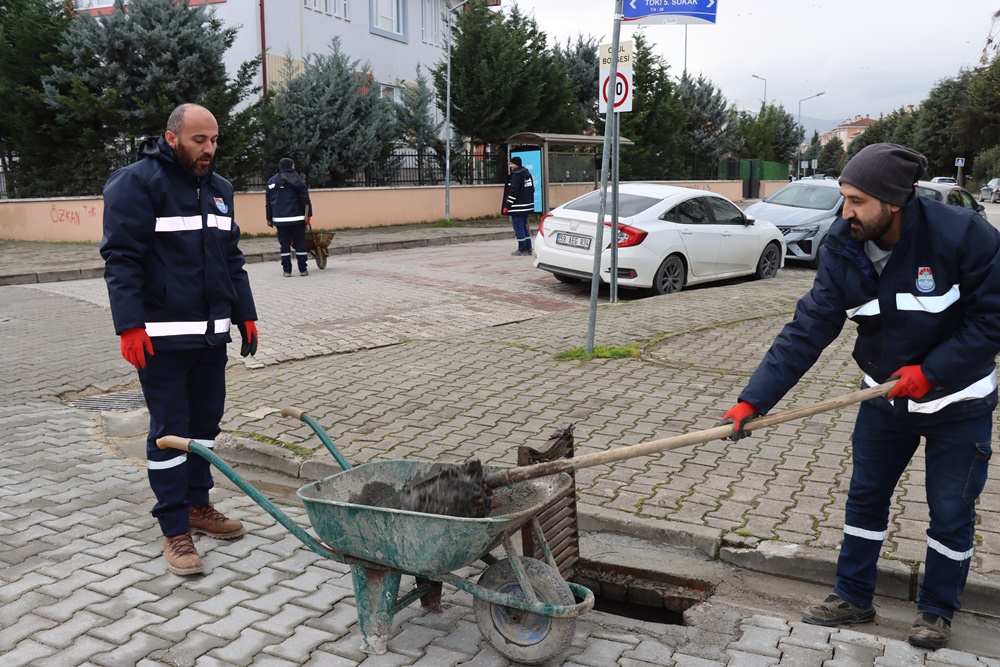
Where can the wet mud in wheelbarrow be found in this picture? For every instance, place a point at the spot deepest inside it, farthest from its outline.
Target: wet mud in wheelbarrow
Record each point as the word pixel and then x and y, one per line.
pixel 359 511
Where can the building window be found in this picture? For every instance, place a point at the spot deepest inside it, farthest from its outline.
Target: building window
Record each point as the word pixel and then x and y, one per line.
pixel 388 19
pixel 431 22
pixel 389 92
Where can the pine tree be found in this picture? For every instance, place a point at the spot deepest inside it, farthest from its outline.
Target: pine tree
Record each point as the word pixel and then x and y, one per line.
pixel 335 123
pixel 126 72
pixel 30 33
pixel 656 121
pixel 503 78
pixel 708 132
pixel 419 129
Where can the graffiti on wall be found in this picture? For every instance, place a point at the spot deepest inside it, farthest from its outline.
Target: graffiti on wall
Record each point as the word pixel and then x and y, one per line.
pixel 72 216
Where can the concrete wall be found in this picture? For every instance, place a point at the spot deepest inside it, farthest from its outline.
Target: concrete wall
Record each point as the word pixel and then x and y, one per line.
pixel 80 219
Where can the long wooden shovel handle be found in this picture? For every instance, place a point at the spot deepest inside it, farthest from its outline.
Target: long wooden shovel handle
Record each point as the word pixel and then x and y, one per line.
pixel 511 475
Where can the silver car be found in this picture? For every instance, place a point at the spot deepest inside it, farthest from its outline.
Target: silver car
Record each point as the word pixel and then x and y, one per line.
pixel 951 194
pixel 803 211
pixel 990 191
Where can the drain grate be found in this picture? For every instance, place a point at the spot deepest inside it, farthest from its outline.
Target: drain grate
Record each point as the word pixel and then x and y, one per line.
pixel 119 401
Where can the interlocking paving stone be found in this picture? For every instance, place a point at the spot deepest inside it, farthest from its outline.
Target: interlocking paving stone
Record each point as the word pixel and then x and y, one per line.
pixel 457 388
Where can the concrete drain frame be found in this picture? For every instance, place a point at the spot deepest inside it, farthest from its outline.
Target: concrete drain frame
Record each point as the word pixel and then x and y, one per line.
pixel 641 594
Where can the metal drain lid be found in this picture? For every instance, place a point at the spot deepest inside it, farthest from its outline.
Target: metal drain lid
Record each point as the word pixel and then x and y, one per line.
pixel 120 401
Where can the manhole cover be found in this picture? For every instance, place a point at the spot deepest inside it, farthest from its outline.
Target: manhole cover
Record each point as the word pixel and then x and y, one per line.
pixel 121 401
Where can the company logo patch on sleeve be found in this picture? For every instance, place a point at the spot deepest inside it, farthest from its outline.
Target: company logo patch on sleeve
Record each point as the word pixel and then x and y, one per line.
pixel 925 279
pixel 221 205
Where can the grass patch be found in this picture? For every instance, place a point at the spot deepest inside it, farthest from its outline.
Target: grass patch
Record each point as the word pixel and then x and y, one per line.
pixel 446 223
pixel 298 450
pixel 602 352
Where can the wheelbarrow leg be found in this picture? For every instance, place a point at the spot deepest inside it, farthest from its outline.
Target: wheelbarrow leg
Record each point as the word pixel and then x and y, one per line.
pixel 375 594
pixel 431 600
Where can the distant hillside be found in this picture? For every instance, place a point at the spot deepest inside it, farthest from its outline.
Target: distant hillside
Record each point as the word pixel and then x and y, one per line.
pixel 819 125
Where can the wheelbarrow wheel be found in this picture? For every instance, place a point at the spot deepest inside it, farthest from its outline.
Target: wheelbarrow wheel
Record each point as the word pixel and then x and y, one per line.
pixel 321 254
pixel 520 636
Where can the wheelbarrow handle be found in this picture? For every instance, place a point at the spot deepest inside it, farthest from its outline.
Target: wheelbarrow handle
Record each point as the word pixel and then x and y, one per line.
pixel 174 442
pixel 291 411
pixel 297 413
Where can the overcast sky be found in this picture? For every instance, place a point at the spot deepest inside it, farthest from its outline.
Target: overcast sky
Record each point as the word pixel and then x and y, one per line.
pixel 869 57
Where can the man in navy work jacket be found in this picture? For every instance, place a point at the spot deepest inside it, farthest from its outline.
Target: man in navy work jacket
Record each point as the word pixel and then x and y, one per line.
pixel 176 283
pixel 518 203
pixel 287 206
pixel 922 282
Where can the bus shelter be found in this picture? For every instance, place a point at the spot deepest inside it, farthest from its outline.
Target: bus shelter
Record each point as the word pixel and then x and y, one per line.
pixel 533 149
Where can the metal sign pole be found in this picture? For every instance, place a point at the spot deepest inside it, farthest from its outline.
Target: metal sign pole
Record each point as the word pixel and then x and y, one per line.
pixel 614 207
pixel 595 279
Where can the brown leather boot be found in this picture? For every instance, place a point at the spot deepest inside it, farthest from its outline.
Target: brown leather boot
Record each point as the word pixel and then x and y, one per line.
pixel 209 521
pixel 182 557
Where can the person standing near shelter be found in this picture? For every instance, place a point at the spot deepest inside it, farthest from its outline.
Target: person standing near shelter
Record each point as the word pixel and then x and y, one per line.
pixel 287 205
pixel 921 280
pixel 176 282
pixel 518 203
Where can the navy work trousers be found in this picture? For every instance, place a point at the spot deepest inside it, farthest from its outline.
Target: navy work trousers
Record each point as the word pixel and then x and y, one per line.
pixel 521 231
pixel 185 393
pixel 287 235
pixel 956 457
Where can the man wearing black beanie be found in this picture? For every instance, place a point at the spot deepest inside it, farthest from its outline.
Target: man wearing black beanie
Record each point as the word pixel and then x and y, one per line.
pixel 921 280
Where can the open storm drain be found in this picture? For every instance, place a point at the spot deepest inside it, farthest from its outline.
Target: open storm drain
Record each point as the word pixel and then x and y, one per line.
pixel 640 594
pixel 120 401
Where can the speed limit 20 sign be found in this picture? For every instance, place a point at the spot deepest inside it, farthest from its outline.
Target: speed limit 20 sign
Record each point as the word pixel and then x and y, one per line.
pixel 621 91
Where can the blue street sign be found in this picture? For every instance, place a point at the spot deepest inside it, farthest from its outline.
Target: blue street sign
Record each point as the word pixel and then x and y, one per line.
pixel 669 11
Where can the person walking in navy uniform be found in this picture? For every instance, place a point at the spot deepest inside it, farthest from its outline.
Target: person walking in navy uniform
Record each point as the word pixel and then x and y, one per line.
pixel 176 283
pixel 921 280
pixel 518 203
pixel 287 205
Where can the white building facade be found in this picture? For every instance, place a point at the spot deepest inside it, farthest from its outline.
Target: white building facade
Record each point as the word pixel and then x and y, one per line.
pixel 391 36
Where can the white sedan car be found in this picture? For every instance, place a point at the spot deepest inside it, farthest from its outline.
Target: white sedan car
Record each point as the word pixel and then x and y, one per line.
pixel 668 237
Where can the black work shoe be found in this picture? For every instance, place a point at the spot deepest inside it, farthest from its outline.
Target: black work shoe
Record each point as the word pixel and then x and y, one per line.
pixel 930 630
pixel 835 610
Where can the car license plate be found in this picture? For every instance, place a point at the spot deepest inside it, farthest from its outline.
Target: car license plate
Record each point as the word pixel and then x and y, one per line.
pixel 571 240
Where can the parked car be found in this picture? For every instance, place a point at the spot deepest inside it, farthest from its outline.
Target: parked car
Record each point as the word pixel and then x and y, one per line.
pixel 669 237
pixel 803 211
pixel 944 179
pixel 949 193
pixel 990 191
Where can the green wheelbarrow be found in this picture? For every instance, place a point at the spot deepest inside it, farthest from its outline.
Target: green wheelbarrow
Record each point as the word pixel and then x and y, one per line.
pixel 522 606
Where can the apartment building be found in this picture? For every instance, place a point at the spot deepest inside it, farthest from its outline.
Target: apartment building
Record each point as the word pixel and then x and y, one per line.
pixel 392 36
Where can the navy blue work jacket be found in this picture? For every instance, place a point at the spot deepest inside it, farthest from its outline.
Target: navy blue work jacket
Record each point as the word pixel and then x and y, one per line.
pixel 286 199
pixel 172 259
pixel 936 304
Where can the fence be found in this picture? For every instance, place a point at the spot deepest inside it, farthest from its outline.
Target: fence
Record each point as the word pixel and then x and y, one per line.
pixel 407 167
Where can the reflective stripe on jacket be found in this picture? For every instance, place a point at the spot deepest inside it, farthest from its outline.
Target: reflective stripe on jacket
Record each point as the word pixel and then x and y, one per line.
pixel 936 304
pixel 172 259
pixel 286 198
pixel 519 192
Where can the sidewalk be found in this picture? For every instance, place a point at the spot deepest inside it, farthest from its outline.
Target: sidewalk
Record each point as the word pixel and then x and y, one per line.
pixel 29 262
pixel 771 504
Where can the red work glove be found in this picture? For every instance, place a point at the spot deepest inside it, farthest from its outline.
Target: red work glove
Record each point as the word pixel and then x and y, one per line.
pixel 738 416
pixel 504 211
pixel 135 344
pixel 249 332
pixel 912 383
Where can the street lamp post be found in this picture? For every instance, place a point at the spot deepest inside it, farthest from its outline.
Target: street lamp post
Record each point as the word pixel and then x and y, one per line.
pixel 765 86
pixel 798 152
pixel 447 120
